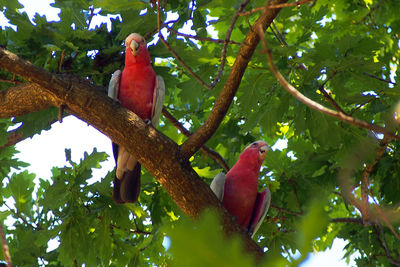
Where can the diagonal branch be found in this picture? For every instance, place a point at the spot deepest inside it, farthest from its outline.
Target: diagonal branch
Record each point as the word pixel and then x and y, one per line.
pixel 226 41
pixel 224 100
pixel 314 105
pixel 384 244
pixel 173 52
pixel 347 220
pixel 205 149
pixel 155 151
pixel 208 39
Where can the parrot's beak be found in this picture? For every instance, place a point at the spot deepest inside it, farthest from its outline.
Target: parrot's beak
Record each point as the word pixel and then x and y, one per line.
pixel 134 45
pixel 263 151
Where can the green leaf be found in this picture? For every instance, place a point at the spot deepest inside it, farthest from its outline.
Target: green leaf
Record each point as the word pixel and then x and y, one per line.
pixel 206 240
pixel 21 188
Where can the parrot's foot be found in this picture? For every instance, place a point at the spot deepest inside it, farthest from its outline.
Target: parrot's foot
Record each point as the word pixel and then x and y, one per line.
pixel 250 233
pixel 148 122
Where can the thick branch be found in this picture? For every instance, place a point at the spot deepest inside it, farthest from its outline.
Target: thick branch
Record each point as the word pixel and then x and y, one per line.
pixel 23 99
pixel 156 152
pixel 224 100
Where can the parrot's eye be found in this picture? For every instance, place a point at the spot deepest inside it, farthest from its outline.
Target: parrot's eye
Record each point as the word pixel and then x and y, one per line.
pixel 254 144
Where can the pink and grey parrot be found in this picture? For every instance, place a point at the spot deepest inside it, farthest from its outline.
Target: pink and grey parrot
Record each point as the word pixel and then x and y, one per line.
pixel 238 188
pixel 138 89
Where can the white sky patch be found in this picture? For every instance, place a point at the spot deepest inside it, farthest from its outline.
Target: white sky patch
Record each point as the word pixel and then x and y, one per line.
pixel 330 257
pixel 41 7
pixel 98 19
pixel 280 144
pixel 48 149
pixel 210 28
pixel 4 22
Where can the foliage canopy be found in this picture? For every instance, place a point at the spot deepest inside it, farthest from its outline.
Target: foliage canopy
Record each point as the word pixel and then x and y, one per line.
pixel 340 52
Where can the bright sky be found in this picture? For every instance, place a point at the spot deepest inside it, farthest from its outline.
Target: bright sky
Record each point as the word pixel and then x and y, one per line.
pixel 48 149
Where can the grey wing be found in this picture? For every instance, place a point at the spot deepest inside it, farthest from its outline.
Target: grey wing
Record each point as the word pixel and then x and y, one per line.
pixel 158 100
pixel 113 86
pixel 260 210
pixel 218 185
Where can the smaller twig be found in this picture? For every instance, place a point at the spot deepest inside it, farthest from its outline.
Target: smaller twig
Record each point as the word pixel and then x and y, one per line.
pixel 6 250
pixel 297 213
pixel 75 263
pixel 131 231
pixel 347 220
pixel 378 78
pixel 208 39
pixel 384 244
pixel 361 105
pixel 227 38
pixel 297 3
pixel 172 51
pixel 291 182
pixel 278 34
pixel 18 215
pixel 383 217
pixel 206 150
pixel 285 231
pixel 321 88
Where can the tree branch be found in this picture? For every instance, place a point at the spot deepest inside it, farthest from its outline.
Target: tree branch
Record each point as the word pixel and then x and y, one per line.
pixel 205 149
pixel 297 213
pixel 386 220
pixel 207 39
pixel 156 152
pixel 384 244
pixel 222 103
pixel 365 179
pixel 6 250
pixel 314 105
pixel 22 99
pixel 13 138
pixel 173 52
pixel 226 41
pixel 378 78
pixel 347 220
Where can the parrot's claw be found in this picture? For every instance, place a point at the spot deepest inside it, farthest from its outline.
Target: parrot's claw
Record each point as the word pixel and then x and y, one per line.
pixel 250 233
pixel 148 122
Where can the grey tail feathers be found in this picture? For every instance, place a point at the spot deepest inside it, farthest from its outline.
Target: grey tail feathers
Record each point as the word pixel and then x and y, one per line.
pixel 128 188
